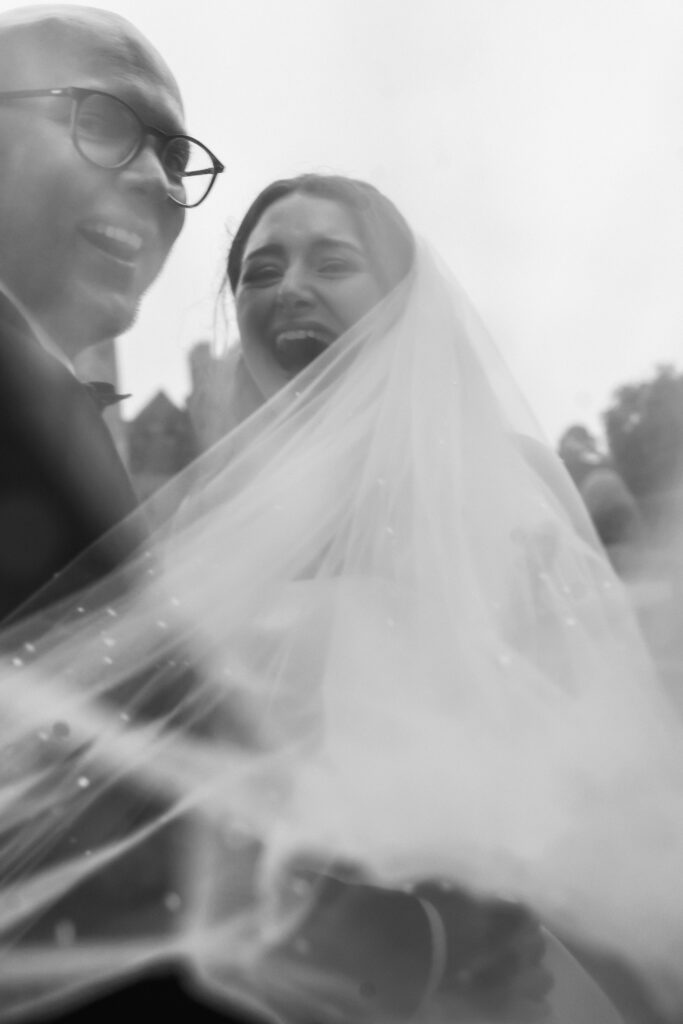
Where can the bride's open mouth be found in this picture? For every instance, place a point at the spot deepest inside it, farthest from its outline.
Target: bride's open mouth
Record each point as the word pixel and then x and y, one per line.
pixel 295 349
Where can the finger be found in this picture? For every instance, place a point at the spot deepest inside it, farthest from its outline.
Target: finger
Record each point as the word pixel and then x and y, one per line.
pixel 512 981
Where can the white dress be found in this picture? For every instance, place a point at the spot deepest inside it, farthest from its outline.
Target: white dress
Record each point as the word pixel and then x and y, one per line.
pixel 408 654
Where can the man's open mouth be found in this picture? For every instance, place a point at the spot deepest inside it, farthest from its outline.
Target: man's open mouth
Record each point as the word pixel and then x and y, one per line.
pixel 115 241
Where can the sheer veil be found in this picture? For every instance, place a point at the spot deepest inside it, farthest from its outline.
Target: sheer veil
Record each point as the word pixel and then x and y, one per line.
pixel 378 634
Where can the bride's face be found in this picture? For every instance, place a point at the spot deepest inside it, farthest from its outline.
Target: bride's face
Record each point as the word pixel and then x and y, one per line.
pixel 305 279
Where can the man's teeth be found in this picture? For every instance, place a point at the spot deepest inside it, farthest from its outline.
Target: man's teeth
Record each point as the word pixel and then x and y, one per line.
pixel 128 238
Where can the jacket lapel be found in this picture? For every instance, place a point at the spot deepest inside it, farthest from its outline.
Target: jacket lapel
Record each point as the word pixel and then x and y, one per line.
pixel 61 428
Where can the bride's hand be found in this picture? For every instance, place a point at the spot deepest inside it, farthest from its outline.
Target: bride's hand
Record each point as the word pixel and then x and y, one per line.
pixel 372 953
pixel 493 956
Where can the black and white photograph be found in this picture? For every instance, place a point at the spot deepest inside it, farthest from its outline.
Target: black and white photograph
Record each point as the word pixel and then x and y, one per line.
pixel 341 512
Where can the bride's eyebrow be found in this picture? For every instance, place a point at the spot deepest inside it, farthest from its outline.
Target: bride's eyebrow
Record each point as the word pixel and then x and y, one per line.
pixel 321 242
pixel 327 241
pixel 272 249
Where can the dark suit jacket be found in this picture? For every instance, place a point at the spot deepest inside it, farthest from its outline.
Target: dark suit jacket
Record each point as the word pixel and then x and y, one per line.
pixel 63 490
pixel 62 484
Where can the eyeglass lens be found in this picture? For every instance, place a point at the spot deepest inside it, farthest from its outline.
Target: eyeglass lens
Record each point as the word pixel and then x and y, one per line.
pixel 108 133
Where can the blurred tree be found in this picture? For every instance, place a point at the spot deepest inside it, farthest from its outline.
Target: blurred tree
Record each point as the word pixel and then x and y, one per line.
pixel 644 427
pixel 644 430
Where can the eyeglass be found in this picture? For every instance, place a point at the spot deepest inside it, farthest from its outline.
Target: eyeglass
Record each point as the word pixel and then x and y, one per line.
pixel 109 133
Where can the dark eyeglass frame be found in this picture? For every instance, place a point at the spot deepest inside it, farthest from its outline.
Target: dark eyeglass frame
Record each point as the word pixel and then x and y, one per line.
pixel 78 95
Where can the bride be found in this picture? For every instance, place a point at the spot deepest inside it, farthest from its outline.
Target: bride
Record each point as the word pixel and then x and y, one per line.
pixel 372 723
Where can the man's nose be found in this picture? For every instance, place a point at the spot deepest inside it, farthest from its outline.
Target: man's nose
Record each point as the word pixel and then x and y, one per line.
pixel 146 172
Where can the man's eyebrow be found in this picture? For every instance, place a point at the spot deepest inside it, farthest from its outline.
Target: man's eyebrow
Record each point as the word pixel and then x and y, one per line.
pixel 161 116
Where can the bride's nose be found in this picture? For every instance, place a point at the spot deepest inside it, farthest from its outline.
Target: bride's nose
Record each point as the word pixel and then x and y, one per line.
pixel 295 289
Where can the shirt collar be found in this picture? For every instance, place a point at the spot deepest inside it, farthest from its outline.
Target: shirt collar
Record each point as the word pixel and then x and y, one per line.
pixel 55 351
pixel 39 334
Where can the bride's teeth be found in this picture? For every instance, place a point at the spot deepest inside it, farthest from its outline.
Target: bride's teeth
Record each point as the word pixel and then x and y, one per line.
pixel 297 347
pixel 297 336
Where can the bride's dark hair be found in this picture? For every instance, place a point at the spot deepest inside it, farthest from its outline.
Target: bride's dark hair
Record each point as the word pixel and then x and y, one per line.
pixel 386 235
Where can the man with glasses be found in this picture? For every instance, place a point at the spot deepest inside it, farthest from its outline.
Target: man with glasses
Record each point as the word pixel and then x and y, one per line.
pixel 96 172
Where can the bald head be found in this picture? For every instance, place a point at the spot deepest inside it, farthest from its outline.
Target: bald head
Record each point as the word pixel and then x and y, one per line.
pixel 33 39
pixel 79 243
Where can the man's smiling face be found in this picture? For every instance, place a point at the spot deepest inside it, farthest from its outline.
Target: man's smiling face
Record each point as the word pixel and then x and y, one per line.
pixel 80 244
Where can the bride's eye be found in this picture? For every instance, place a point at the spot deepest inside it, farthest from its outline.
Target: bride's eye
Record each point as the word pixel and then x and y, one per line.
pixel 337 265
pixel 263 274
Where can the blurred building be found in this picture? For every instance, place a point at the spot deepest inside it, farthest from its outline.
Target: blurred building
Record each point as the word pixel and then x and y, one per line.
pixel 164 437
pixel 211 381
pixel 161 442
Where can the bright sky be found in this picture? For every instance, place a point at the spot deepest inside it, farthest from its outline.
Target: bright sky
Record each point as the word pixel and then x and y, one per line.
pixel 537 143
